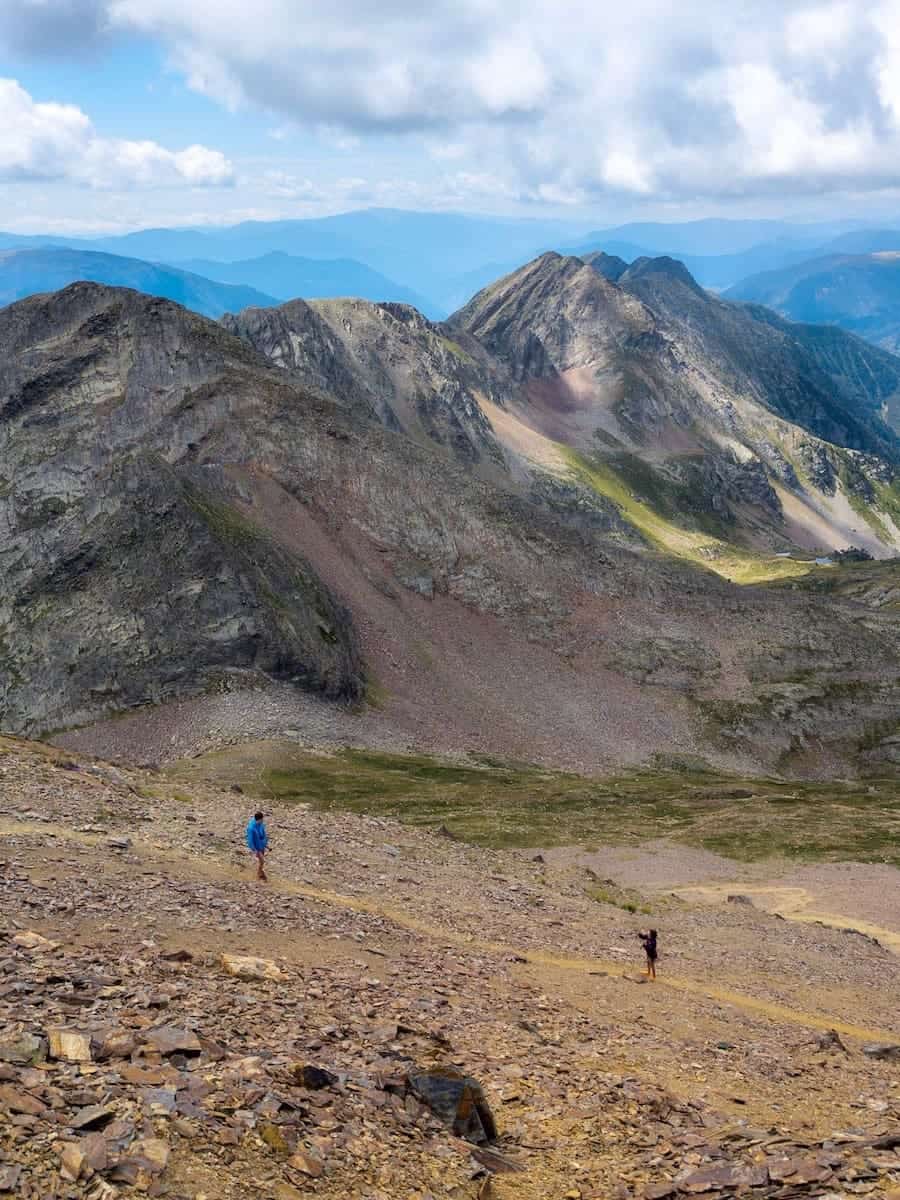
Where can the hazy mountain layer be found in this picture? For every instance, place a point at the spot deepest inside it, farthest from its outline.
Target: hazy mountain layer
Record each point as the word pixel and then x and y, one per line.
pixel 288 277
pixel 29 272
pixel 717 252
pixel 423 251
pixel 441 259
pixel 860 293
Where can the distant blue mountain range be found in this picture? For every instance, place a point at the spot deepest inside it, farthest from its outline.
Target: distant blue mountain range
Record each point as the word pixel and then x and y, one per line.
pixel 435 261
pixel 287 276
pixel 26 272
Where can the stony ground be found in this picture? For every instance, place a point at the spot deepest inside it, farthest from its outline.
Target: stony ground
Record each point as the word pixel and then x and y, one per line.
pixel 133 1060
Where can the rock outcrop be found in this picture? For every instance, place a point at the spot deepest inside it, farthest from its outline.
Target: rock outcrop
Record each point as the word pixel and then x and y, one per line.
pixel 129 575
pixel 390 362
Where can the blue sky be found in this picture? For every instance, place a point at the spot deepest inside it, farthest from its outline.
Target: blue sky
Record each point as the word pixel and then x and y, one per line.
pixel 117 114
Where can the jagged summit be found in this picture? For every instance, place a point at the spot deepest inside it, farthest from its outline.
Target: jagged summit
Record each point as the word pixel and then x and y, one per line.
pixel 389 361
pixel 610 266
pixel 664 267
pixel 769 429
pixel 554 314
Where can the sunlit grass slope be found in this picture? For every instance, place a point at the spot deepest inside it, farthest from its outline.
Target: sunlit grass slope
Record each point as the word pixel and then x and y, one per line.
pixel 704 549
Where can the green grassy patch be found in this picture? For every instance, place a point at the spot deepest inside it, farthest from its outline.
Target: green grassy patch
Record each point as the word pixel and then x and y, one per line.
pixel 455 349
pixel 702 548
pixel 888 498
pixel 609 893
pixel 510 805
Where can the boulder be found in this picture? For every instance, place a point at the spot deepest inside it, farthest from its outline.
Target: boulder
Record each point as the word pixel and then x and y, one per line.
pixel 69 1045
pixel 9 1178
pixel 95 1116
pixel 313 1078
pixel 458 1100
pixel 153 1153
pixel 168 1039
pixel 284 1191
pixel 16 1101
pixel 307 1164
pixel 721 1177
pixel 29 940
pixel 246 967
pixel 22 1049
pixel 72 1161
pixel 114 1043
pixel 883 1050
pixel 797 1171
pixel 274 1139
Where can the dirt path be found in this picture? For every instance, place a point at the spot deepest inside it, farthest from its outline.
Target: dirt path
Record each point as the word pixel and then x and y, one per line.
pixel 792 903
pixel 196 865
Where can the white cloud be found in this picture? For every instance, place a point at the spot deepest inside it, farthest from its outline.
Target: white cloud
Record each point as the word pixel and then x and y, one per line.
pixel 287 186
pixel 555 97
pixel 50 141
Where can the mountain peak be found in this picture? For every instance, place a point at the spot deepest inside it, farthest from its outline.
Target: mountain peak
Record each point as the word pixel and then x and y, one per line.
pixel 662 267
pixel 610 266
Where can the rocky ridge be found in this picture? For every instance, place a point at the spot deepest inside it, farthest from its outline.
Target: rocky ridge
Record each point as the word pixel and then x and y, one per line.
pixel 715 400
pixel 391 362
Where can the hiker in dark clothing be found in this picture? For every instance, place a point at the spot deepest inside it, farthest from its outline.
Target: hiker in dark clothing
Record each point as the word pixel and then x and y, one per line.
pixel 257 844
pixel 648 941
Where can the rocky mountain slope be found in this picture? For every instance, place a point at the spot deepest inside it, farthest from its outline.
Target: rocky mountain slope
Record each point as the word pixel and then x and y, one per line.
pixel 180 517
pixel 856 292
pixel 390 362
pixel 29 272
pixel 758 433
pixel 777 434
pixel 829 383
pixel 168 1027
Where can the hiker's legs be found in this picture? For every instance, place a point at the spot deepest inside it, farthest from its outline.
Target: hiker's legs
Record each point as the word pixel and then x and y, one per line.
pixel 261 866
pixel 652 968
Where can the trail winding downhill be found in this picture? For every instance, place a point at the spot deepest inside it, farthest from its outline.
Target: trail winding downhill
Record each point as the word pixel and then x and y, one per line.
pixel 197 865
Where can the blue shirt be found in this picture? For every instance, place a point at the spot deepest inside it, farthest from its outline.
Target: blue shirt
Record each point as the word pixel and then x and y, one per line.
pixel 257 838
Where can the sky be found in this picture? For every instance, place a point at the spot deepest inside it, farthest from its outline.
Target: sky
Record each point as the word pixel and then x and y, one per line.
pixel 122 114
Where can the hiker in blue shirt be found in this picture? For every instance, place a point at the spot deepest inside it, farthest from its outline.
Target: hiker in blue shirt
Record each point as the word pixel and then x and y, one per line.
pixel 258 843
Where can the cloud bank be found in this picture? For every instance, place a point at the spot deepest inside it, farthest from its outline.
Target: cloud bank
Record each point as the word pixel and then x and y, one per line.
pixel 48 141
pixel 562 100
